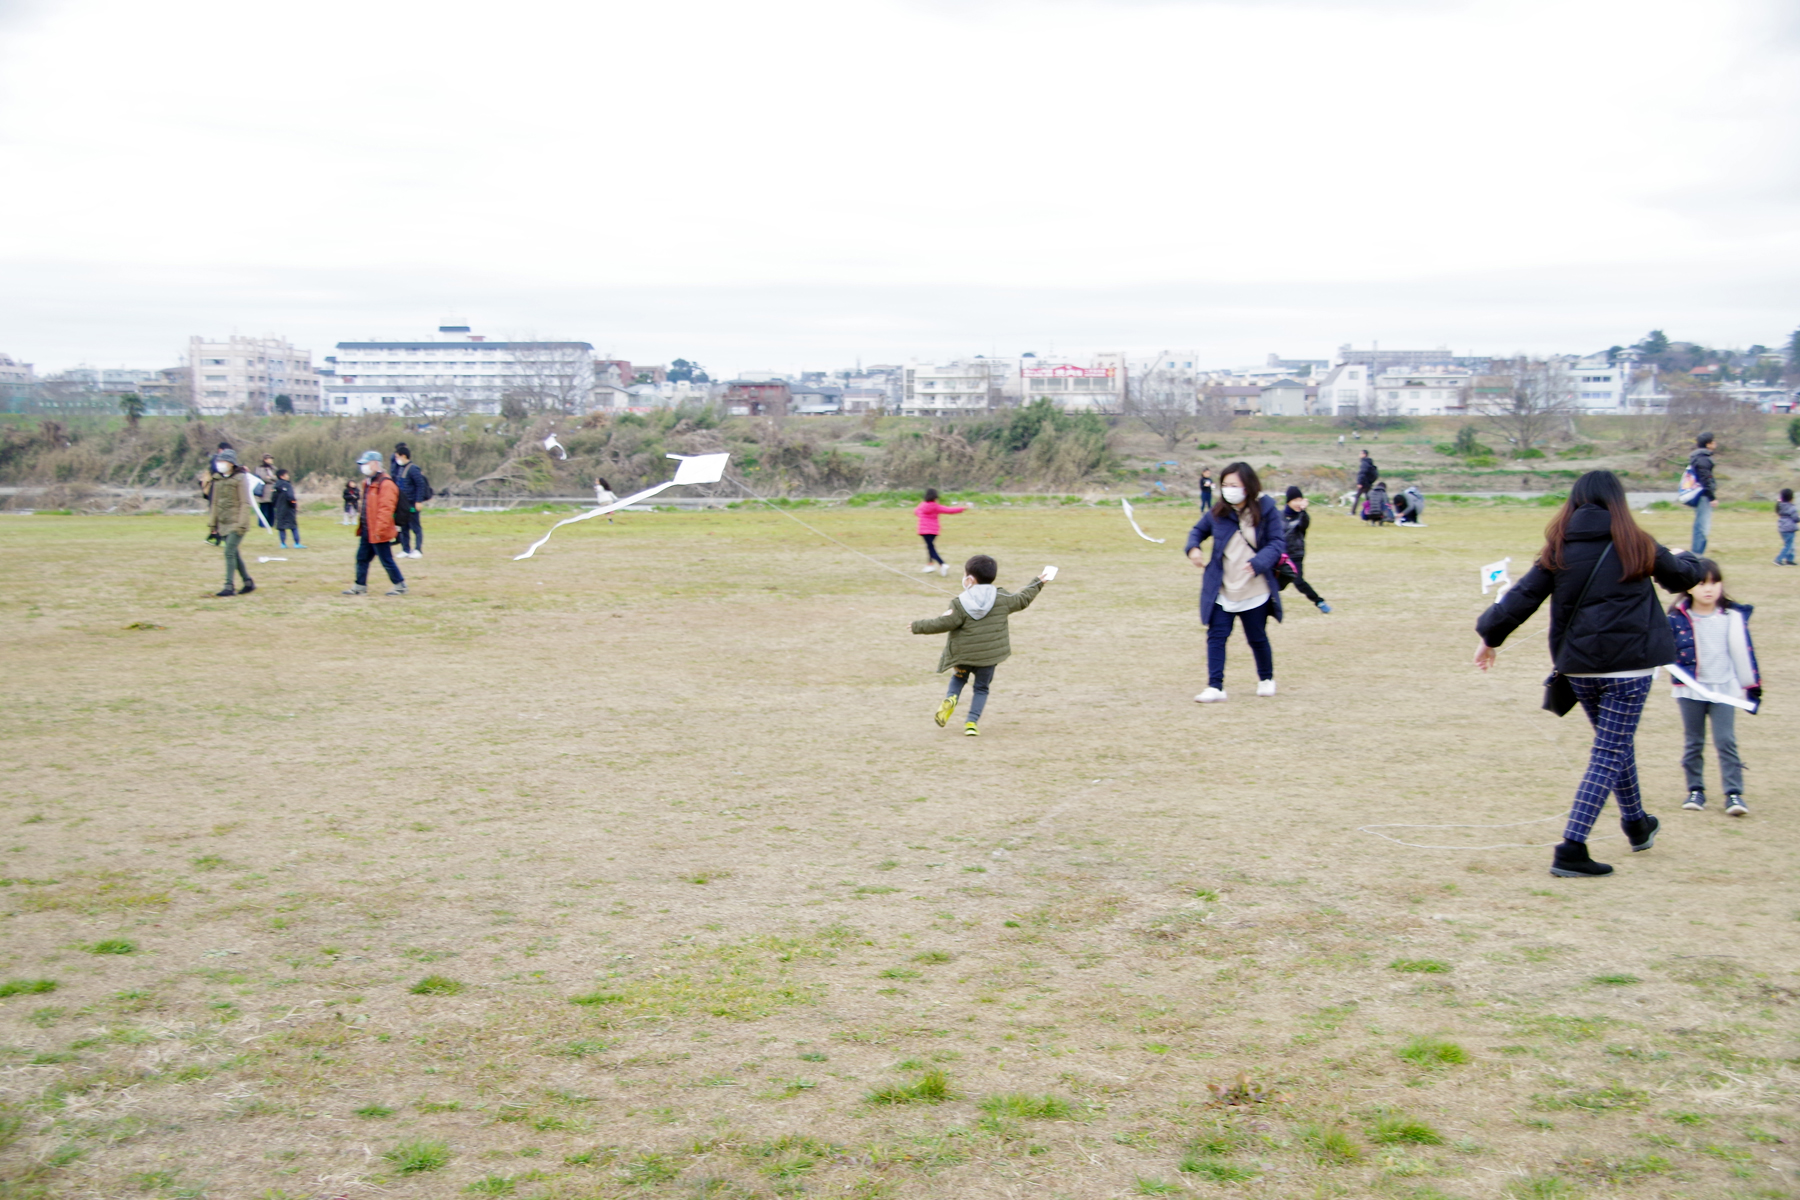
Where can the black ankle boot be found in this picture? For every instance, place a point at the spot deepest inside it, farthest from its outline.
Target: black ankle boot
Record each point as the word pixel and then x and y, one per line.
pixel 249 586
pixel 1572 862
pixel 1641 833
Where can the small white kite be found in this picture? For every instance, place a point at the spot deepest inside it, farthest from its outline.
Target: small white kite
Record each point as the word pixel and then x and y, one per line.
pixel 1133 519
pixel 552 446
pixel 695 468
pixel 1494 575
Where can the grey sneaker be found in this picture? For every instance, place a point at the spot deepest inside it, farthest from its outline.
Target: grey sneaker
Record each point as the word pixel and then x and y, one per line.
pixel 1735 806
pixel 357 589
pixel 399 589
pixel 1696 801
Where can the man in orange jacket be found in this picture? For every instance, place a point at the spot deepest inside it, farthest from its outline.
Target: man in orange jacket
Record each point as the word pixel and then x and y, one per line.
pixel 375 527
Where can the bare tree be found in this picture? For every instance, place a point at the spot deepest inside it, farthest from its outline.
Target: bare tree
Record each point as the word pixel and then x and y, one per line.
pixel 552 377
pixel 1538 401
pixel 1695 406
pixel 1164 399
pixel 1214 411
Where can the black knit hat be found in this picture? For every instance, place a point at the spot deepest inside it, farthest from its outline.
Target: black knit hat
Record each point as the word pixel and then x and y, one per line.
pixel 1294 492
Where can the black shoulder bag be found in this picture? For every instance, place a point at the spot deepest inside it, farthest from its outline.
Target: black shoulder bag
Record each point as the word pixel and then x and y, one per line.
pixel 1559 693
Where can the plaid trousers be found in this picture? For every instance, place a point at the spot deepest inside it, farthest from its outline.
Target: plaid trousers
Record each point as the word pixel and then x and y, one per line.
pixel 1614 707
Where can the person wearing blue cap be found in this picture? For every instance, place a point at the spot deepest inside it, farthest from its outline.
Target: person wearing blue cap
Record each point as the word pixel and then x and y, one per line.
pixel 375 526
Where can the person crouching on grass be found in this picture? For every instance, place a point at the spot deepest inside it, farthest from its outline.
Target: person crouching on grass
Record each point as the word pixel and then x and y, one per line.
pixel 1249 538
pixel 376 530
pixel 979 640
pixel 1607 637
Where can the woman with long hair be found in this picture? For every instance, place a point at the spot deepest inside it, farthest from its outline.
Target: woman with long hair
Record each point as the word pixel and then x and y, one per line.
pixel 1239 585
pixel 1608 635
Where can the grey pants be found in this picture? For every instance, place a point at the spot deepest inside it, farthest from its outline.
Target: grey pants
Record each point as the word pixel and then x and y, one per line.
pixel 1724 728
pixel 234 560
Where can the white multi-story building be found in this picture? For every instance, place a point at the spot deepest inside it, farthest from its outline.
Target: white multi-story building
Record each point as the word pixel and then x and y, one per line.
pixel 249 373
pixel 962 388
pixel 16 382
pixel 1346 391
pixel 1101 385
pixel 1599 385
pixel 1422 391
pixel 459 371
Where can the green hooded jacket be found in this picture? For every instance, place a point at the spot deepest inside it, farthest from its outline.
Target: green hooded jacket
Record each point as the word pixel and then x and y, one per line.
pixel 231 503
pixel 979 641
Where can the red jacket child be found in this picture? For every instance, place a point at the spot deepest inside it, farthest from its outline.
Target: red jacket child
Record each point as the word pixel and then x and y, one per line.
pixel 928 512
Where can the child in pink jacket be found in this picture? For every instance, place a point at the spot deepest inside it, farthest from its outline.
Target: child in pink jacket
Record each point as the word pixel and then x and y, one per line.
pixel 928 512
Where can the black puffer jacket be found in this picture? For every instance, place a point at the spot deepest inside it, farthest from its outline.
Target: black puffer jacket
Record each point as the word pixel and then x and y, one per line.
pixel 1367 473
pixel 1701 464
pixel 1621 627
pixel 1297 524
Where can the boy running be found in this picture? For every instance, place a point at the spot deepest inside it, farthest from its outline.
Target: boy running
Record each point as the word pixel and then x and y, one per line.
pixel 978 640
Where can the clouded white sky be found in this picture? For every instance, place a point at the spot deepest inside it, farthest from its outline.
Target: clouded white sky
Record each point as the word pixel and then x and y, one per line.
pixel 801 182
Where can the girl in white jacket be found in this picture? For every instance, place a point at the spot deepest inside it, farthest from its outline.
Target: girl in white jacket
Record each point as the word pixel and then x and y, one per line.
pixel 1712 644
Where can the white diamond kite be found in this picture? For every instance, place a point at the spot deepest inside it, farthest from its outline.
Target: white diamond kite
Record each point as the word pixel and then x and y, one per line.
pixel 694 468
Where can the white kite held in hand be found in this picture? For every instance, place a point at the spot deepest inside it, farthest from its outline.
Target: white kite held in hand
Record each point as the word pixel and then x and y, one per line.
pixel 1705 693
pixel 552 446
pixel 696 468
pixel 1494 575
pixel 1134 524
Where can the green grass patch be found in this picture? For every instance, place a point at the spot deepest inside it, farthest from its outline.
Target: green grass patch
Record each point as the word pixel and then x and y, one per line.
pixel 112 946
pixel 1427 1051
pixel 741 981
pixel 1391 1129
pixel 1420 966
pixel 1615 980
pixel 419 1156
pixel 1022 1106
pixel 374 1111
pixel 934 956
pixel 27 987
pixel 933 1087
pixel 436 985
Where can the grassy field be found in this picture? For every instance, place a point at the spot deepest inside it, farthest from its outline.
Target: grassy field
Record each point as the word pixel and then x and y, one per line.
pixel 639 869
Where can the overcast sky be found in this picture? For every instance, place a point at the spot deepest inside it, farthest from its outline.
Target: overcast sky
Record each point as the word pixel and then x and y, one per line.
pixel 796 183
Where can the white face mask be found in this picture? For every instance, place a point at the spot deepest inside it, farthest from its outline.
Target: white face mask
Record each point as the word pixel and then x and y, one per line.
pixel 1233 495
pixel 222 467
pixel 368 468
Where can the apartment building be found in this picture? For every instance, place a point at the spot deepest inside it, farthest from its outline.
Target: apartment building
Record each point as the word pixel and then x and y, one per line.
pixel 458 371
pixel 1423 392
pixel 963 388
pixel 248 373
pixel 1101 385
pixel 1599 385
pixel 1346 390
pixel 16 384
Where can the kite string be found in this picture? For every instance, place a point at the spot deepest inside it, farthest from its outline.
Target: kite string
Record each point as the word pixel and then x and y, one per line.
pixel 910 578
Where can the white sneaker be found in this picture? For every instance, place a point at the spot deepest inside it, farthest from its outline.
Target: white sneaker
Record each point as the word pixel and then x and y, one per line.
pixel 416 554
pixel 1211 695
pixel 943 568
pixel 928 568
pixel 1265 687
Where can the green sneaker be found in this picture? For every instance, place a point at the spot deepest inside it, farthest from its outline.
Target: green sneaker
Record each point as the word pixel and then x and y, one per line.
pixel 945 711
pixel 969 730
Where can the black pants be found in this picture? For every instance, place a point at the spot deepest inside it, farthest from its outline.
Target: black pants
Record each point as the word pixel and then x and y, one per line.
pixel 1218 632
pixel 931 548
pixel 983 677
pixel 367 552
pixel 268 512
pixel 408 524
pixel 1205 498
pixel 1297 577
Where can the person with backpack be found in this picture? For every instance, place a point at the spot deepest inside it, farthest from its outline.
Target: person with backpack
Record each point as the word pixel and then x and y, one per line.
pixel 415 489
pixel 1608 635
pixel 1366 475
pixel 379 504
pixel 1700 466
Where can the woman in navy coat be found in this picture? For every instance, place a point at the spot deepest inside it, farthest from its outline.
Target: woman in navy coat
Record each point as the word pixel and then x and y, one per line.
pixel 1239 585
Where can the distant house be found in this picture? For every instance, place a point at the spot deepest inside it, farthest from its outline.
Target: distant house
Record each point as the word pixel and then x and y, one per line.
pixel 1284 398
pixel 757 398
pixel 1242 399
pixel 815 400
pixel 1345 391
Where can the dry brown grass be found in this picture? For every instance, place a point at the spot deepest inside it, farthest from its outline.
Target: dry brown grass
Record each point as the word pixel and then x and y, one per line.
pixel 683 768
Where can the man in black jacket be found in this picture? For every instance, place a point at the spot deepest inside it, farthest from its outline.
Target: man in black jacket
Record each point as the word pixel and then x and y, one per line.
pixel 1366 475
pixel 1701 464
pixel 411 482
